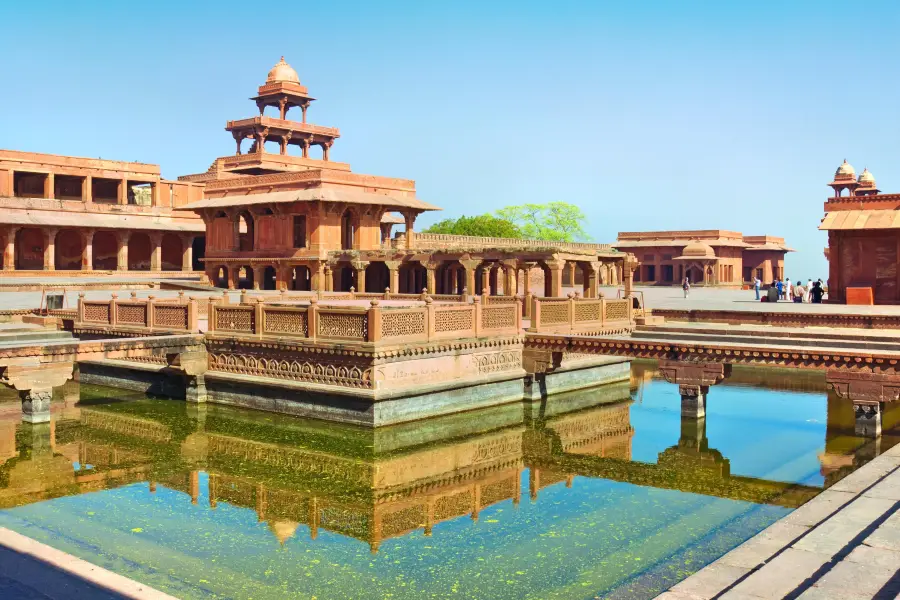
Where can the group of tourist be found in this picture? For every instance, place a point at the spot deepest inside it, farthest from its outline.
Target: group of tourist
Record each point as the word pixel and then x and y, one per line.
pixel 812 292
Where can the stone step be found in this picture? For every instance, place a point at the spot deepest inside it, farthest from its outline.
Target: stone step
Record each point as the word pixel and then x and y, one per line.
pixel 33 337
pixel 772 331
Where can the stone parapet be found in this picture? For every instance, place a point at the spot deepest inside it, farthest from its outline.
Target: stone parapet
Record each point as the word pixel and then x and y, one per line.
pixel 580 316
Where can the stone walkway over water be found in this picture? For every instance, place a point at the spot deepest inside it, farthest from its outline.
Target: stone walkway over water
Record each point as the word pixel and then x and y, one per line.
pixel 842 545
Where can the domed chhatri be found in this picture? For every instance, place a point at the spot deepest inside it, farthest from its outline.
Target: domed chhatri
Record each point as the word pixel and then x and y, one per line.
pixel 698 249
pixel 866 178
pixel 282 73
pixel 845 170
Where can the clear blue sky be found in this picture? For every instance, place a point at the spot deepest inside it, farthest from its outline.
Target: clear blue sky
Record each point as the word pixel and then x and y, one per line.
pixel 648 115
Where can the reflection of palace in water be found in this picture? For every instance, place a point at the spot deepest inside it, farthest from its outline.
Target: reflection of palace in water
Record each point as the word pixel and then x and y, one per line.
pixel 374 485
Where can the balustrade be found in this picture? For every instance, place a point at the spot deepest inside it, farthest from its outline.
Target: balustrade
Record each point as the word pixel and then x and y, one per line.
pixel 580 315
pixel 149 314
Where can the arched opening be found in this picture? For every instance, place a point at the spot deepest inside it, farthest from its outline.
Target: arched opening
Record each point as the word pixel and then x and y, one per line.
pixel 139 251
pixel 68 250
pixel 344 278
pixel 198 252
pixel 105 251
pixel 413 278
pixel 221 277
pixel 378 278
pixel 172 250
pixel 268 278
pixel 30 249
pixel 349 228
pixel 246 230
pixel 301 280
pixel 694 273
pixel 245 278
pixel 451 278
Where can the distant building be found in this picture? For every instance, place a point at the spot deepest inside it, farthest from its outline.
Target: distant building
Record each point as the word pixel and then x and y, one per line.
pixel 706 257
pixel 863 228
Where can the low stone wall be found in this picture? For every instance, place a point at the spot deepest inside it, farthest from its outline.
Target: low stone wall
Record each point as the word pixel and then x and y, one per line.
pixel 581 316
pixel 136 316
pixel 780 319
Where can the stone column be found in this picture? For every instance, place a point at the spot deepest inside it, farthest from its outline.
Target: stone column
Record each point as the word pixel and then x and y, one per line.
pixel 156 252
pixel 431 276
pixel 317 277
pixel 49 186
pixel 235 278
pixel 87 258
pixel 87 190
pixel 329 279
pixel 122 196
pixel 236 234
pixel 571 267
pixel 36 405
pixel 393 275
pixel 187 253
pixel 693 401
pixel 360 268
pixel 510 285
pixel 410 218
pixel 592 280
pixel 868 419
pixel 555 268
pixel 628 275
pixel 470 266
pixel 50 249
pixel 493 284
pixel 9 252
pixel 122 251
pixel 257 277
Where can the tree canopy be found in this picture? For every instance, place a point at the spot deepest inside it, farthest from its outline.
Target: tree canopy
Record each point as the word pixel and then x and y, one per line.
pixel 555 221
pixel 481 225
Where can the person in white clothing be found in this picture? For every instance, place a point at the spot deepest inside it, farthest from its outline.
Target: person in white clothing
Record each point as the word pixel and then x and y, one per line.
pixel 788 289
pixel 808 290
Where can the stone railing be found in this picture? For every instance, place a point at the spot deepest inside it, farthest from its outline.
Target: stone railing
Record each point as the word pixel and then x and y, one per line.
pixel 375 323
pixel 136 315
pixel 354 295
pixel 580 315
pixel 448 241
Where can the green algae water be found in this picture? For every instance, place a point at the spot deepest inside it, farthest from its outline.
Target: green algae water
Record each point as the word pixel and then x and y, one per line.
pixel 604 493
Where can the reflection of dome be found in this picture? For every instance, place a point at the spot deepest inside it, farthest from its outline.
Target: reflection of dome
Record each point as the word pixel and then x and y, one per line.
pixel 866 178
pixel 282 73
pixel 845 170
pixel 283 530
pixel 698 249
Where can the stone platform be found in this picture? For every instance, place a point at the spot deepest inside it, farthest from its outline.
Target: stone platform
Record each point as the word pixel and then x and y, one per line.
pixel 844 544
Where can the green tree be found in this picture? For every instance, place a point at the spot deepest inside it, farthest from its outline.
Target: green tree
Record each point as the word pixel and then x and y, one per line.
pixel 480 225
pixel 554 221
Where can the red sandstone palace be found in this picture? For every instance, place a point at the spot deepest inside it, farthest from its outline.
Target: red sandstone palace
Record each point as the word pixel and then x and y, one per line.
pixel 863 228
pixel 706 257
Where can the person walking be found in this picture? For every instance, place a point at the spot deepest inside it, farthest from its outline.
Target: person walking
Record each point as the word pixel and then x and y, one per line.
pixel 808 291
pixel 817 293
pixel 756 283
pixel 686 286
pixel 788 289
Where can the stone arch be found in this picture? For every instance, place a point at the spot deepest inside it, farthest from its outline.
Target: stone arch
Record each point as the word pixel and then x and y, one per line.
pixel 220 277
pixel 349 229
pixel 244 277
pixel 378 278
pixel 301 280
pixel 140 249
pixel 105 251
pixel 247 231
pixel 68 250
pixel 269 278
pixel 29 249
pixel 171 252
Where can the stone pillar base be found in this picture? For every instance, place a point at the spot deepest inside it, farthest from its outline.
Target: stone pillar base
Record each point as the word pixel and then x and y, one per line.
pixel 868 419
pixel 36 405
pixel 195 389
pixel 693 401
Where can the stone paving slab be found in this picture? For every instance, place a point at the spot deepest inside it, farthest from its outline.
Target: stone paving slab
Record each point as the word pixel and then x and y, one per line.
pixel 844 544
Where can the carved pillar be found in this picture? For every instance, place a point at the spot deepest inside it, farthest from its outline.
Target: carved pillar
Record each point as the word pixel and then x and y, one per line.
pixel 329 279
pixel 326 147
pixel 592 279
pixel 492 279
pixel 430 276
pixel 122 251
pixel 393 275
pixel 469 266
pixel 122 192
pixel 36 405
pixel 305 143
pixel 510 285
pixel 571 267
pixel 9 251
pixel 628 268
pixel 235 278
pixel 50 249
pixel 317 277
pixel 555 269
pixel 693 401
pixel 868 419
pixel 49 186
pixel 87 189
pixel 257 277
pixel 187 253
pixel 303 108
pixel 282 108
pixel 156 252
pixel 360 268
pixel 410 218
pixel 238 138
pixel 284 142
pixel 87 257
